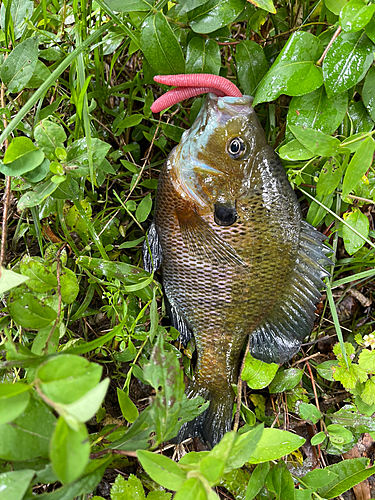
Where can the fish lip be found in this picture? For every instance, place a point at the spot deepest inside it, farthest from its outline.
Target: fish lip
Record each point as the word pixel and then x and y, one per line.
pixel 222 102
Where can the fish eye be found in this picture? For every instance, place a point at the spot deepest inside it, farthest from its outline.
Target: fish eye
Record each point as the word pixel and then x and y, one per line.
pixel 236 147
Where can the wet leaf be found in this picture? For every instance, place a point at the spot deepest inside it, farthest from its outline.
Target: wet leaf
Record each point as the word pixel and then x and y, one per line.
pixel 266 5
pixel 192 489
pixel 129 5
pixel 360 120
pixel 214 15
pixel 39 173
pixel 368 92
pixel 338 434
pixel 317 111
pixel 203 56
pixel 13 485
pixel 160 46
pixel 14 399
pixel 316 212
pixel 41 278
pixel 285 380
pixel 347 62
pixel 309 412
pixel 279 480
pixel 350 473
pixel 69 285
pixel 355 15
pixel 325 369
pixel 28 436
pixel 37 195
pixel 367 360
pixel 368 393
pixel 19 10
pixel 19 146
pixel 294 72
pixel 112 269
pixel 335 6
pixel 19 66
pixel 318 438
pixel 295 151
pixel 236 482
pixel 274 444
pixel 358 165
pixel 70 451
pixel 251 65
pixel 29 312
pixel 132 488
pixel 258 374
pixel 144 208
pixel 162 469
pixel 318 478
pixel 357 220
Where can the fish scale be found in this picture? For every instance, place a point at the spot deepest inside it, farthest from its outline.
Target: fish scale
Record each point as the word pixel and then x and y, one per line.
pixel 258 276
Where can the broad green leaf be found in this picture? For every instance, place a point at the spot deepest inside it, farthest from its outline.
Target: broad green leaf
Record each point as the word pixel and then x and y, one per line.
pixel 370 30
pixel 251 65
pixel 317 111
pixel 266 5
pixel 338 434
pixel 160 46
pixel 325 369
pixel 66 378
pixel 19 10
pixel 349 377
pixel 129 5
pixel 294 72
pixel 350 473
pixel 69 285
pixel 77 155
pixel 358 165
pixel 366 360
pixel 129 121
pixel 318 478
pixel 41 338
pixel 41 73
pixel 68 190
pixel 368 92
pixel 360 120
pixel 23 164
pixel 41 278
pixel 19 66
pixel 318 438
pixel 309 412
pixel 368 393
pixel 258 374
pixel 128 408
pixel 357 220
pixel 14 399
pixel 335 6
pixel 295 151
pixel 13 485
pixel 162 469
pixel 203 56
pixel 257 480
pixel 39 173
pixel 285 380
pixel 347 62
pixel 70 451
pixel 29 312
pixel 318 143
pixel 49 136
pixel 131 488
pixel 213 15
pixel 19 146
pixel 302 494
pixel 10 279
pixel 242 447
pixel 29 435
pixel 126 273
pixel 279 480
pixel 192 489
pixel 86 407
pixel 316 212
pixel 144 208
pixel 355 15
pixel 212 469
pixel 274 444
pixel 236 482
pixel 37 195
pixel 329 177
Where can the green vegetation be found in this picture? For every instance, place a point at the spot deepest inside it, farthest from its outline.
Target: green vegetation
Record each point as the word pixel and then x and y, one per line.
pixel 83 341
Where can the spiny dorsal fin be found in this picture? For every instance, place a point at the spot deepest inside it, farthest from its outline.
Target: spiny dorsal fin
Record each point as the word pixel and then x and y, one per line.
pixel 279 336
pixel 202 242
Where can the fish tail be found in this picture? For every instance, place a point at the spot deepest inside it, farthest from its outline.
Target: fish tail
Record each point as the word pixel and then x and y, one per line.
pixel 214 422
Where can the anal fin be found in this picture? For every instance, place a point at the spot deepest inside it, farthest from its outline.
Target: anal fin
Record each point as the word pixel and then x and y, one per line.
pixel 152 264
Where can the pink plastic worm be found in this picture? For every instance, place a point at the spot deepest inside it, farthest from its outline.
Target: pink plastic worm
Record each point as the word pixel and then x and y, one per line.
pixel 191 85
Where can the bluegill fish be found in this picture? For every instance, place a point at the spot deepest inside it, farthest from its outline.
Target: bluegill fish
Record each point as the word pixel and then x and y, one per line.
pixel 235 255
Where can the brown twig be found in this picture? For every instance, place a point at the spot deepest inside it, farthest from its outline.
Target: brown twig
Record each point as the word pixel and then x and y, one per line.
pixel 7 187
pixel 113 452
pixel 239 390
pixel 335 35
pixel 313 385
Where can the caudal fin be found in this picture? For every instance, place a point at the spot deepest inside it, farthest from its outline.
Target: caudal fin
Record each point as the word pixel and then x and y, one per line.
pixel 212 424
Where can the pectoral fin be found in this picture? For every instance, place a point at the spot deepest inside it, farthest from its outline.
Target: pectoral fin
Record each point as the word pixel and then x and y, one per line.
pixel 202 242
pixel 278 338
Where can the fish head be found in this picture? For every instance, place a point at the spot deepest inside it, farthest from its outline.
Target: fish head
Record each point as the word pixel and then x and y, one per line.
pixel 213 165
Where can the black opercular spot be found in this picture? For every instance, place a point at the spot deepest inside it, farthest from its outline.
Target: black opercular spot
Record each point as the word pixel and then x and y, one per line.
pixel 225 215
pixel 236 147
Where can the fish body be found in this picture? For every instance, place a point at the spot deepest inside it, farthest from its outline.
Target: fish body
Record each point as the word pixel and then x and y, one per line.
pixel 235 256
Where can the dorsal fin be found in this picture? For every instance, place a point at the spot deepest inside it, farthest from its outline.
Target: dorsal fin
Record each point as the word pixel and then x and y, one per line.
pixel 202 242
pixel 280 335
